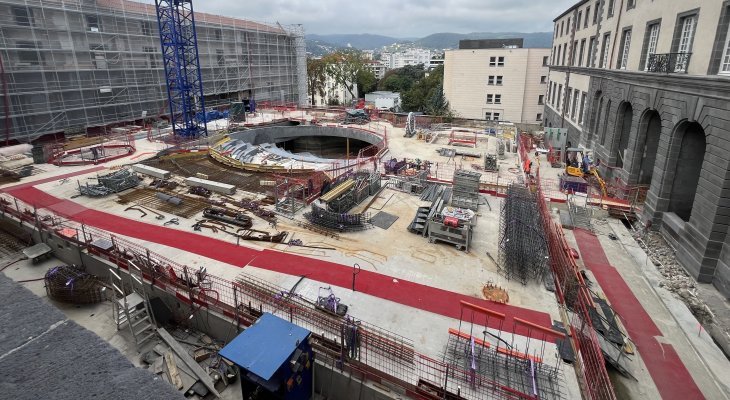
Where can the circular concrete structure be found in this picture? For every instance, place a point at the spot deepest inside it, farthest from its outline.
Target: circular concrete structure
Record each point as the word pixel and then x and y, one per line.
pixel 310 147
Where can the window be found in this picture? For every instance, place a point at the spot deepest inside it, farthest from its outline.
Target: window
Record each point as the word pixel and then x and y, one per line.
pixel 543 79
pixel 560 97
pixel 495 80
pixel 23 16
pixel 630 4
pixel 552 93
pixel 562 27
pixel 611 3
pixel 565 52
pixel 490 99
pixel 496 61
pixel 545 61
pixel 625 43
pixel 574 105
pixel 559 49
pixel 605 50
pixel 582 52
pixel 686 36
pixel 541 99
pixel 538 117
pixel 30 56
pixel 725 63
pixel 218 34
pixel 98 56
pixel 491 116
pixel 92 22
pixel 151 56
pixel 573 54
pixel 653 37
pixel 582 108
pixel 595 15
pixel 591 51
pixel 588 12
pixel 146 28
pixel 220 57
pixel 577 21
pixel 494 99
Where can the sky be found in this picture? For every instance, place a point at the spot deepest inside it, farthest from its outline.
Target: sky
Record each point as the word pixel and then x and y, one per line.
pixel 401 19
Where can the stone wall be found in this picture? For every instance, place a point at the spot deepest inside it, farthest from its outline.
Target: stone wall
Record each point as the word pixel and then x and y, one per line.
pixel 680 101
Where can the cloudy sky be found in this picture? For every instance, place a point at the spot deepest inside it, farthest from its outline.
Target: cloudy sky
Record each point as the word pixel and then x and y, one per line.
pixel 402 18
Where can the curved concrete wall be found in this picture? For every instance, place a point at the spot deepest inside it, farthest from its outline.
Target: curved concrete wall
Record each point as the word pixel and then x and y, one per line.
pixel 278 134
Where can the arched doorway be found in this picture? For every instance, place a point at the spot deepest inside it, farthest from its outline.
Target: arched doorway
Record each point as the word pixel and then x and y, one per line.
pixel 604 125
pixel 650 128
pixel 596 106
pixel 690 139
pixel 625 115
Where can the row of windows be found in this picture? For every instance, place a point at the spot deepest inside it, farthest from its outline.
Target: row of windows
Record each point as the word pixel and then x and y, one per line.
pixel 496 61
pixel 583 53
pixel 493 98
pixel 497 80
pixel 572 101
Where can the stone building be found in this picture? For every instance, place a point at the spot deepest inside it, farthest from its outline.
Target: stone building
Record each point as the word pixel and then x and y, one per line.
pixel 646 85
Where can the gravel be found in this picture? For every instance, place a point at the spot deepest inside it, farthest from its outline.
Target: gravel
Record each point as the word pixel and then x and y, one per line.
pixel 676 279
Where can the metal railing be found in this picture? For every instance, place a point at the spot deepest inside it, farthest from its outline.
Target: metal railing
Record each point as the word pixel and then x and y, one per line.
pixel 668 62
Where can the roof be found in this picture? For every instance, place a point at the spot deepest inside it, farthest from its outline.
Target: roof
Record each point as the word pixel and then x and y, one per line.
pixel 576 5
pixel 265 346
pixel 74 362
pixel 473 44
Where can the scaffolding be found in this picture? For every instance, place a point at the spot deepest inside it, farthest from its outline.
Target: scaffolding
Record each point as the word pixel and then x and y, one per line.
pixel 72 66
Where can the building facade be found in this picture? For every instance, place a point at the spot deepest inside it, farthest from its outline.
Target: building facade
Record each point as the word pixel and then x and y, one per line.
pixel 646 85
pixel 406 57
pixel 72 66
pixel 497 83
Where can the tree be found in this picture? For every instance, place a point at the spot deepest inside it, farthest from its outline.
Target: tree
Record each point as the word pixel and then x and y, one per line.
pixel 427 95
pixel 366 82
pixel 316 76
pixel 401 80
pixel 344 66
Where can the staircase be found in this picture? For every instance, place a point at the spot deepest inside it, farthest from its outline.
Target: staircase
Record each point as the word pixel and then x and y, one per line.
pixel 131 305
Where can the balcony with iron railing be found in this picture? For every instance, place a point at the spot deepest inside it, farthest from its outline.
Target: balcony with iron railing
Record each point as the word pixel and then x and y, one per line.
pixel 668 63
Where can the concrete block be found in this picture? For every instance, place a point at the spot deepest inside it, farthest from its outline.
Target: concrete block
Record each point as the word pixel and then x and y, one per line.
pixel 151 171
pixel 213 186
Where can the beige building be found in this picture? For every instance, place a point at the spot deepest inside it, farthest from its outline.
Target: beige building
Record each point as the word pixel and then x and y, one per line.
pixel 646 85
pixel 494 80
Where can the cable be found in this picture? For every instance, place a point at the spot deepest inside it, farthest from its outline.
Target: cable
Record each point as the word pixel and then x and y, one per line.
pixel 31 280
pixel 12 262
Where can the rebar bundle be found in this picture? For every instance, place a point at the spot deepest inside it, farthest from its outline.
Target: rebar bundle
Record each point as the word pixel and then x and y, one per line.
pixel 490 163
pixel 338 221
pixel 71 284
pixel 114 182
pixel 522 246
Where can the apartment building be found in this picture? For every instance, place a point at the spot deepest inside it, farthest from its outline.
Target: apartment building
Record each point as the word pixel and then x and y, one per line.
pixel 646 85
pixel 71 66
pixel 489 79
pixel 406 57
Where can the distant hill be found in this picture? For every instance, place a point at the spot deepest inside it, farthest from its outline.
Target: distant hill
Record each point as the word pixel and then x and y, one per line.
pixel 451 40
pixel 322 44
pixel 363 41
pixel 319 48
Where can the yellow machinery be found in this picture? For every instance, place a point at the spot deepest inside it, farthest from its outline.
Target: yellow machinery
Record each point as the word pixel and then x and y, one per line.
pixel 579 165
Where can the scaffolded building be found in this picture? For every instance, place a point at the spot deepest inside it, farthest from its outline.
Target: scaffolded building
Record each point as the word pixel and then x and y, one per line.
pixel 76 66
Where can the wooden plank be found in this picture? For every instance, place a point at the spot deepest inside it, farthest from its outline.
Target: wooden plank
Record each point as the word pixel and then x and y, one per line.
pixel 172 371
pixel 195 368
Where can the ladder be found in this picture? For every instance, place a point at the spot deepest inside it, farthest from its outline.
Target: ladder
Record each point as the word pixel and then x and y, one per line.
pixel 131 305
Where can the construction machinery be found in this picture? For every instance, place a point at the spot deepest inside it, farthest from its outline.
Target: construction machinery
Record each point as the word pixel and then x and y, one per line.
pixel 579 164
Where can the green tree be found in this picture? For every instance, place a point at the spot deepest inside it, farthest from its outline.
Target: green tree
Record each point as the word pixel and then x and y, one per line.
pixel 401 79
pixel 366 82
pixel 427 95
pixel 316 76
pixel 344 66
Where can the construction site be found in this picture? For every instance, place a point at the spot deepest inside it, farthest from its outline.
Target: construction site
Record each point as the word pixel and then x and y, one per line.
pixel 276 251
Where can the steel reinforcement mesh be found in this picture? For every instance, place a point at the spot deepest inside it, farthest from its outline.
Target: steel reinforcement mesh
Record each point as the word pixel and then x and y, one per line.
pixel 573 294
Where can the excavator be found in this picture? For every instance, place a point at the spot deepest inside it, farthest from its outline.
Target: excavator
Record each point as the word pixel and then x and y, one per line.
pixel 579 164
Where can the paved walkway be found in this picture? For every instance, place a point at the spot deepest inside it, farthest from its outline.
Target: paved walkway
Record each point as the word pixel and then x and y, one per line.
pixel 669 373
pixel 405 292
